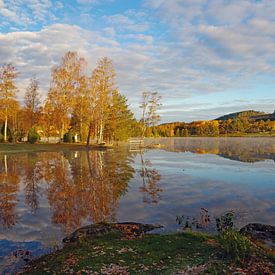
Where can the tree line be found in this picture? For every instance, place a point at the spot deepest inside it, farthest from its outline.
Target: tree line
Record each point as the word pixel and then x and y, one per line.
pixel 77 106
pixel 236 126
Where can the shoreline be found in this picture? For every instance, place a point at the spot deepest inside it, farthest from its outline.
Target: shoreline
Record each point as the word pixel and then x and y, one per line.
pixel 126 253
pixel 49 147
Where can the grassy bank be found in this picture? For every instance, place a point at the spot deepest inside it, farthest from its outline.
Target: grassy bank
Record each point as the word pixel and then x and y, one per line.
pixel 152 254
pixel 26 147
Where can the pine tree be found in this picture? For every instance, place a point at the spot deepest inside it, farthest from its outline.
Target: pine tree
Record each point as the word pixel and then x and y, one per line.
pixel 120 120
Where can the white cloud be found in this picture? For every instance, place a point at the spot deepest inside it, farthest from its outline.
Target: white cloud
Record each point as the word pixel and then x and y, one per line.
pixel 123 22
pixel 28 12
pixel 181 48
pixel 8 14
pixel 36 52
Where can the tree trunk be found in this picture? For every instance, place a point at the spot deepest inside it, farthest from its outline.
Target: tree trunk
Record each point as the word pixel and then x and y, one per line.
pixel 89 134
pixel 80 130
pixel 6 164
pixel 100 139
pixel 6 127
pixel 62 133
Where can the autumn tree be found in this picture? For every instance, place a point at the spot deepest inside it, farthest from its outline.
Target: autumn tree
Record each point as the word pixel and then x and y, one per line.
pixel 83 108
pixel 150 105
pixel 64 87
pixel 8 74
pixel 32 101
pixel 49 121
pixel 103 85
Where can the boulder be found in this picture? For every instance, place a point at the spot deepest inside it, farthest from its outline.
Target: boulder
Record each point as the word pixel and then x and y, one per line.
pixel 260 232
pixel 93 230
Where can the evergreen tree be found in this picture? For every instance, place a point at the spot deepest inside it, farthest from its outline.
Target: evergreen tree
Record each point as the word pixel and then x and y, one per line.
pixel 120 120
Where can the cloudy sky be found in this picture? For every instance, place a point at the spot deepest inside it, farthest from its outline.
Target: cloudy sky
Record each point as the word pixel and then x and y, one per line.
pixel 205 57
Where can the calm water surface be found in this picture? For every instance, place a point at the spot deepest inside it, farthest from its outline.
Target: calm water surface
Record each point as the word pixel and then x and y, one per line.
pixel 45 196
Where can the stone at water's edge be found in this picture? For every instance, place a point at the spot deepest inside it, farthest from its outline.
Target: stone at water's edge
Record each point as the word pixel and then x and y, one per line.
pixel 104 228
pixel 261 232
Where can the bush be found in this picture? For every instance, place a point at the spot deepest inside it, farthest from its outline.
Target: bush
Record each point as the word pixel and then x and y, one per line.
pixel 225 222
pixel 235 245
pixel 9 134
pixel 33 136
pixel 1 138
pixel 68 137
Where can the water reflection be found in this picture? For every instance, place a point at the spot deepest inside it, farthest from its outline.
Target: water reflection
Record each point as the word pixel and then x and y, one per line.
pixel 79 185
pixel 150 179
pixel 44 196
pixel 8 189
pixel 240 149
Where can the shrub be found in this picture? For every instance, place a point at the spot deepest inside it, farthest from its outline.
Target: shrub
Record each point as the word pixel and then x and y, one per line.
pixel 225 222
pixel 1 138
pixel 33 136
pixel 68 137
pixel 235 245
pixel 9 134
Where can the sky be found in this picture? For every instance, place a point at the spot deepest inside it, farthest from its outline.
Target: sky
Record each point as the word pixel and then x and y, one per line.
pixel 206 58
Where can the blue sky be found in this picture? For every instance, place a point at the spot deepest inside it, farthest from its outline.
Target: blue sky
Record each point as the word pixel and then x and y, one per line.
pixel 205 57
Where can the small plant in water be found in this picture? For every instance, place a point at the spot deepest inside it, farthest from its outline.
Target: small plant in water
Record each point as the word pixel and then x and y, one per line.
pixel 187 222
pixel 225 221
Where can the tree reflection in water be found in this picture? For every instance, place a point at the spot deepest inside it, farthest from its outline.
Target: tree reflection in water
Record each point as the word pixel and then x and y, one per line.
pixel 9 186
pixel 240 149
pixel 79 186
pixel 86 185
pixel 32 179
pixel 150 178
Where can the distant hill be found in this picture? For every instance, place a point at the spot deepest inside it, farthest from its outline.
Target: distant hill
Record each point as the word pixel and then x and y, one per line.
pixel 248 114
pixel 264 117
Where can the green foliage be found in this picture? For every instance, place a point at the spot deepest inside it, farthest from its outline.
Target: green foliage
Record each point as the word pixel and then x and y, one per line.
pixel 9 134
pixel 33 136
pixel 235 245
pixel 120 122
pixel 18 135
pixel 225 222
pixel 1 138
pixel 69 137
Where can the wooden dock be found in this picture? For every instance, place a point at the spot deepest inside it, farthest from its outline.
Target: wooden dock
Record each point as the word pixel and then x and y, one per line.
pixel 136 143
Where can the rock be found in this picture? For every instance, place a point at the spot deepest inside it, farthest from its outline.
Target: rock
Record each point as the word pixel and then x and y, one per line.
pixel 260 232
pixel 127 228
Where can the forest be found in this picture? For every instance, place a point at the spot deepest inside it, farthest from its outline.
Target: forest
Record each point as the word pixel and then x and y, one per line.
pixel 78 108
pixel 81 108
pixel 241 124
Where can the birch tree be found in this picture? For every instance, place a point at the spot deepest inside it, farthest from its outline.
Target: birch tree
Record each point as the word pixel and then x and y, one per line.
pixel 8 74
pixel 103 84
pixel 65 86
pixel 32 101
pixel 150 104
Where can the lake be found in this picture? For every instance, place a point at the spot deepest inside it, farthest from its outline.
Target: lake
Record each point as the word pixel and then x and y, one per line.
pixel 46 195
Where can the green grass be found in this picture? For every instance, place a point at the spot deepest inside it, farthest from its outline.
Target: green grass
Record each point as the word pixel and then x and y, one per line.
pixel 153 254
pixel 39 147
